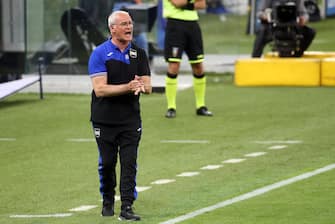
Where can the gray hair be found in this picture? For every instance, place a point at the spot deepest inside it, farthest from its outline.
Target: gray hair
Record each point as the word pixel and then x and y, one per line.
pixel 113 17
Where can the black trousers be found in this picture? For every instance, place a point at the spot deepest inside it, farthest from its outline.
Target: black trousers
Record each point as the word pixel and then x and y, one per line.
pixel 264 36
pixel 113 141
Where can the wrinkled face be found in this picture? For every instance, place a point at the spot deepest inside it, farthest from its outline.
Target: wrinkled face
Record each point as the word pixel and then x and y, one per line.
pixel 122 29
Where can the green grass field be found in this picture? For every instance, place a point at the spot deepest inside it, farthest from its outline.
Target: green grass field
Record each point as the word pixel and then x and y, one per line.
pixel 43 172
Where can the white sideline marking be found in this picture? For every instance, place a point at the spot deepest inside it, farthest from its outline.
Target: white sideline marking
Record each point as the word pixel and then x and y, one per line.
pixel 163 181
pixel 279 142
pixel 141 189
pixel 186 141
pixel 80 139
pixel 233 161
pixel 250 194
pixel 211 167
pixel 255 154
pixel 83 208
pixel 188 174
pixel 60 215
pixel 277 147
pixel 7 139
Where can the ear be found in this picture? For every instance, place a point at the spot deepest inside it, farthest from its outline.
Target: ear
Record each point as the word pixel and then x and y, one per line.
pixel 111 29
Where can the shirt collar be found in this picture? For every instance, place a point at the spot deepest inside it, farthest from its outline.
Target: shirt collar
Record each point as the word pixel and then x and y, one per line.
pixel 116 47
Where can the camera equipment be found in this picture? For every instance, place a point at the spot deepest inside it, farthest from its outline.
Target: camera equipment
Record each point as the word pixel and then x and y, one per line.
pixel 285 30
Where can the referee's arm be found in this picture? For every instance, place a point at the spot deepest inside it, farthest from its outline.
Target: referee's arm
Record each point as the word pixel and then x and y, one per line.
pixel 198 4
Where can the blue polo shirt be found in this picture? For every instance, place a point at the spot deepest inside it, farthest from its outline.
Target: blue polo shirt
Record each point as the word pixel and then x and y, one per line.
pixel 121 68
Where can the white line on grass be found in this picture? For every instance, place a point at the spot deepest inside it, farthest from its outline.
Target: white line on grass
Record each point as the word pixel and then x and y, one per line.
pixel 255 154
pixel 186 141
pixel 279 142
pixel 59 215
pixel 83 208
pixel 211 167
pixel 7 139
pixel 251 194
pixel 163 181
pixel 141 189
pixel 233 160
pixel 277 147
pixel 188 174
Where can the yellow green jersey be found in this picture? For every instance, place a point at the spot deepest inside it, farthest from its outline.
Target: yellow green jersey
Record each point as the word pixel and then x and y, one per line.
pixel 172 12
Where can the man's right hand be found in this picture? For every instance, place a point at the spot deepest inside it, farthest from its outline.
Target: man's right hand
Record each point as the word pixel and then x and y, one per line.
pixel 136 85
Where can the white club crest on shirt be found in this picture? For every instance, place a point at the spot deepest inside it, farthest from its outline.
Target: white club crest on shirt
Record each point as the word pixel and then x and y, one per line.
pixel 97 132
pixel 175 51
pixel 132 53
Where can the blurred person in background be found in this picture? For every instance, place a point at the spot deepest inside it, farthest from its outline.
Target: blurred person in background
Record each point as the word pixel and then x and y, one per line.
pixel 183 34
pixel 264 34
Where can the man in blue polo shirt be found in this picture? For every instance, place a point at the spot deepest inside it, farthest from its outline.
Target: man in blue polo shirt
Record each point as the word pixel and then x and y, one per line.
pixel 120 72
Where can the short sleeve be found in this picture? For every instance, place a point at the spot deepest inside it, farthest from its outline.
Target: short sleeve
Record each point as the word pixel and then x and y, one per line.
pixel 96 63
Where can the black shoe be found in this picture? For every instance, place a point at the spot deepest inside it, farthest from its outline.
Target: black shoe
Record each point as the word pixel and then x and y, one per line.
pixel 203 111
pixel 128 215
pixel 107 209
pixel 171 113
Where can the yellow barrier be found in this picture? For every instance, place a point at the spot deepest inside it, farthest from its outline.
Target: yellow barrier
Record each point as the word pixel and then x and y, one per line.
pixel 307 54
pixel 277 72
pixel 328 72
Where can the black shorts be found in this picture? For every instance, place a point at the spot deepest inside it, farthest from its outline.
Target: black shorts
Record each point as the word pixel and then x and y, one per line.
pixel 183 36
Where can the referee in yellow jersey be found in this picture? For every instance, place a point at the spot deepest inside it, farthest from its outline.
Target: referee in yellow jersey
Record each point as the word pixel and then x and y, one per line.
pixel 183 34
